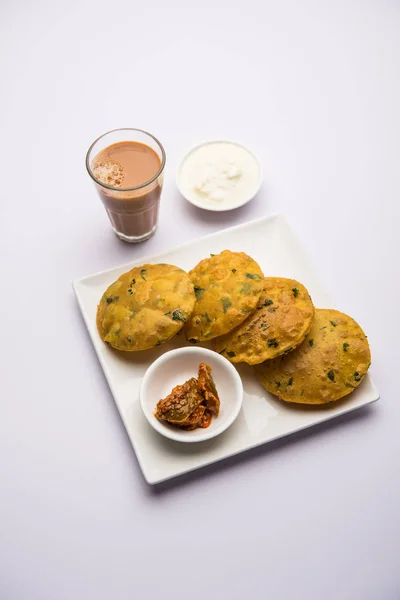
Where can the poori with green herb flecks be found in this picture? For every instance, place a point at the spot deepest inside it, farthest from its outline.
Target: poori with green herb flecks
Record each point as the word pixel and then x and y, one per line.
pixel 282 320
pixel 330 363
pixel 227 287
pixel 145 307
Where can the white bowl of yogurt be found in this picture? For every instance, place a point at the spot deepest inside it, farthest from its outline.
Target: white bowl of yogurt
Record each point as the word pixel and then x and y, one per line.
pixel 219 175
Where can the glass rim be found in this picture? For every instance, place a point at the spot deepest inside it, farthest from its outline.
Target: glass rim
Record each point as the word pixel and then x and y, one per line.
pixel 136 187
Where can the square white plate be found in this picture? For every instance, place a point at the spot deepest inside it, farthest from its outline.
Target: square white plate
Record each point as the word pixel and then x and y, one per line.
pixel 263 417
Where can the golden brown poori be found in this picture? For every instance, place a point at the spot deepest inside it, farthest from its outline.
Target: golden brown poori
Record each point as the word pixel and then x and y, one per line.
pixel 145 307
pixel 227 287
pixel 330 363
pixel 281 321
pixel 300 354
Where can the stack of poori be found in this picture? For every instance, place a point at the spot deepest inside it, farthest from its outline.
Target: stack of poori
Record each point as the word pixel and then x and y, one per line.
pixel 301 354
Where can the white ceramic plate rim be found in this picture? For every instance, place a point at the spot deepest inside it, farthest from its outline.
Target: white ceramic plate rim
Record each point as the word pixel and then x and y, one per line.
pixel 205 434
pixel 216 208
pixel 81 284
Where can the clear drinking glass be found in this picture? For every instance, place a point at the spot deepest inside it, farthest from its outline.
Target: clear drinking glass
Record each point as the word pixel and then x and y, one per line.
pixel 133 211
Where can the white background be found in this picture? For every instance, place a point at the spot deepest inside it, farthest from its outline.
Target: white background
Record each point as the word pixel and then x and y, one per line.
pixel 313 87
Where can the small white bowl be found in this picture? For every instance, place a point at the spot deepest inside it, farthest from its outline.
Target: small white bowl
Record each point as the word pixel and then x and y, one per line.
pixel 225 205
pixel 177 366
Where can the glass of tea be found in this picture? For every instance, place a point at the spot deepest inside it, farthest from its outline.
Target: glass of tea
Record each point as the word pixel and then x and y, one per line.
pixel 127 167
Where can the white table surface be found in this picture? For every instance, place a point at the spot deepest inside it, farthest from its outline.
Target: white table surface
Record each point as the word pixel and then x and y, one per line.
pixel 313 87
